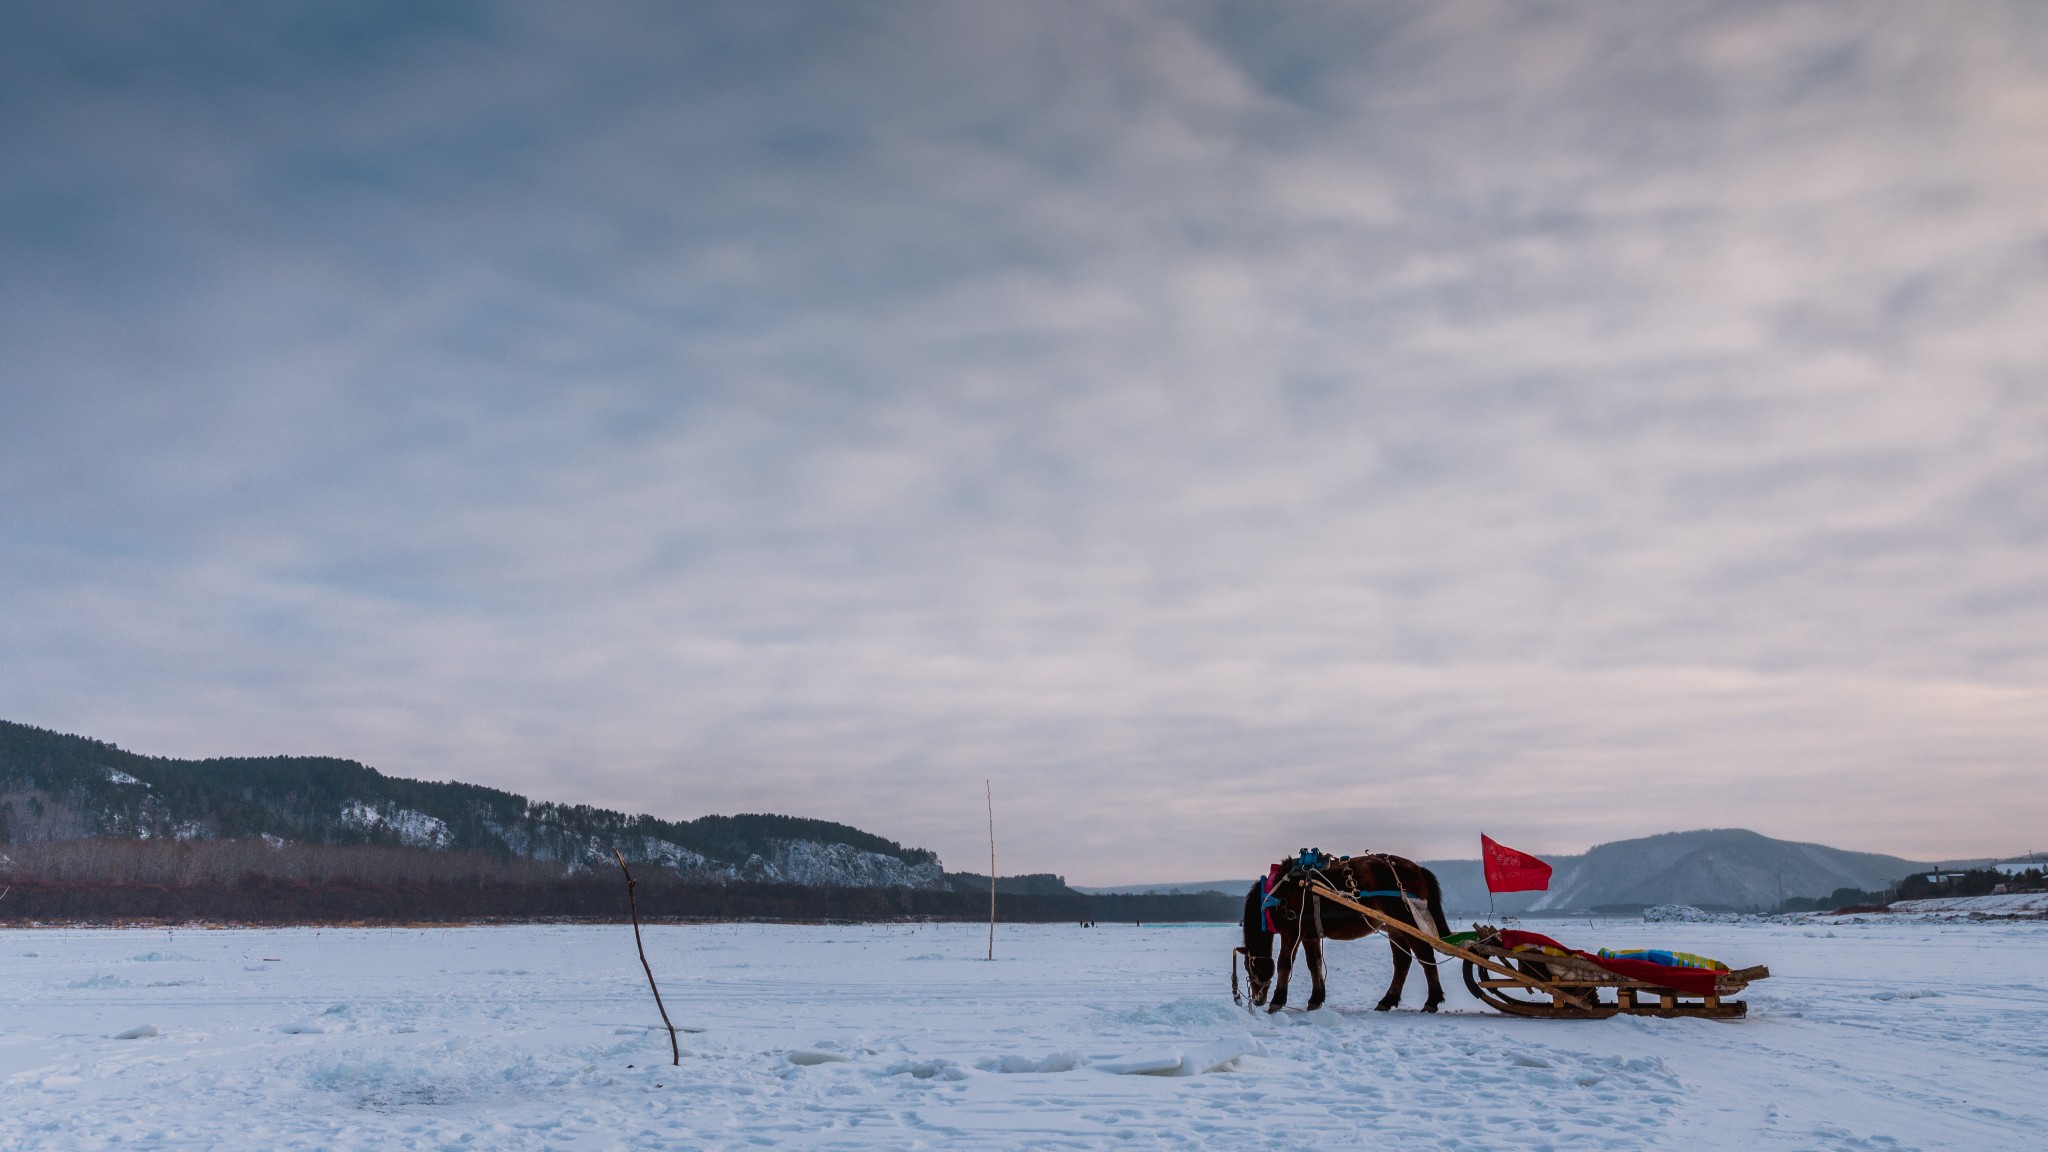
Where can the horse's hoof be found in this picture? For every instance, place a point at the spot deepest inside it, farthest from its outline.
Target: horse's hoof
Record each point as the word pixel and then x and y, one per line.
pixel 1384 1006
pixel 1430 1007
pixel 1313 1005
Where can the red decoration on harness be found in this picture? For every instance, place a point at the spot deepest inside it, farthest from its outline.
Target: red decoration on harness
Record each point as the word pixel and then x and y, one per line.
pixel 1510 871
pixel 1267 902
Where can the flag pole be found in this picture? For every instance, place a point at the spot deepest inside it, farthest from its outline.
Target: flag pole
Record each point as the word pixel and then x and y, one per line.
pixel 1490 914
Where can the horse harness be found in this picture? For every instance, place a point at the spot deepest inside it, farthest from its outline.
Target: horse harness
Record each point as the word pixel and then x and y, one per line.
pixel 1308 864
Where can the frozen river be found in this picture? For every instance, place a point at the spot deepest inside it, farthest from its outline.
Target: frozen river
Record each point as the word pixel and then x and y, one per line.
pixel 1888 1036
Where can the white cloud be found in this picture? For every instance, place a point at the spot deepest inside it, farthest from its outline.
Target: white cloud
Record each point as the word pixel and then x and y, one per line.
pixel 1348 427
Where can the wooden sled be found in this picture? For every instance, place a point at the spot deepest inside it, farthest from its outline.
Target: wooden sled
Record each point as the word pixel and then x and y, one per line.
pixel 1600 992
pixel 1560 987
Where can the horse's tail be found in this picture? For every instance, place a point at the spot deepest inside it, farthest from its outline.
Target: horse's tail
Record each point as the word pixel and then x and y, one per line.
pixel 1435 892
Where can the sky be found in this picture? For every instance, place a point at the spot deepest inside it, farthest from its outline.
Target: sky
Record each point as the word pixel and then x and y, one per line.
pixel 1223 428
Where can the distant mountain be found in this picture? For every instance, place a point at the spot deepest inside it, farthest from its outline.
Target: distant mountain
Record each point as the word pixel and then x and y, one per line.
pixel 59 787
pixel 1236 887
pixel 1721 867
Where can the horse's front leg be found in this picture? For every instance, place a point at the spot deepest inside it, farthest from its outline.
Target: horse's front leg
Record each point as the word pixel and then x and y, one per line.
pixel 1393 995
pixel 1312 952
pixel 1436 988
pixel 1289 936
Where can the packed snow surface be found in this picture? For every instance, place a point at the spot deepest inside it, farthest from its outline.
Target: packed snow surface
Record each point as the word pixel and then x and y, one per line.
pixel 1869 1035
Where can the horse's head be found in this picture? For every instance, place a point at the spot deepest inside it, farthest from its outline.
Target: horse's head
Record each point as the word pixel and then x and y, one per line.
pixel 1258 946
pixel 1258 971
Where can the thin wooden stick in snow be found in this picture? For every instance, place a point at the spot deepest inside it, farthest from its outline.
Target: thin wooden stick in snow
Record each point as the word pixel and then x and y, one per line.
pixel 990 790
pixel 675 1050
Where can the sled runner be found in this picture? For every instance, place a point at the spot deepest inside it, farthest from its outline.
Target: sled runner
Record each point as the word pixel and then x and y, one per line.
pixel 1526 974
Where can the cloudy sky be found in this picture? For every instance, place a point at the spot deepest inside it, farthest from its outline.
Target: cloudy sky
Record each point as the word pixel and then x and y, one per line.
pixel 1227 428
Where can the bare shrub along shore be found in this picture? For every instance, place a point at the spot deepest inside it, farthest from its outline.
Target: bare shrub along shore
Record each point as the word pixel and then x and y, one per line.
pixel 250 881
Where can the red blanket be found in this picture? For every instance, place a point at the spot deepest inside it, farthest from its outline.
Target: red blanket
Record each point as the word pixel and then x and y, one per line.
pixel 1690 981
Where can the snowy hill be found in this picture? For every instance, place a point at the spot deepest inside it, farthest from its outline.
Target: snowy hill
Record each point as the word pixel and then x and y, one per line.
pixel 1233 887
pixel 59 787
pixel 1717 868
pixel 1720 867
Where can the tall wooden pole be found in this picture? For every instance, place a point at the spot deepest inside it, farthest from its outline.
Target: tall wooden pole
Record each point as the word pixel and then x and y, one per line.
pixel 989 789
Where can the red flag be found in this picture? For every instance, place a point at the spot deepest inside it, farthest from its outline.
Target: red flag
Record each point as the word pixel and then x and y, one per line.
pixel 1510 871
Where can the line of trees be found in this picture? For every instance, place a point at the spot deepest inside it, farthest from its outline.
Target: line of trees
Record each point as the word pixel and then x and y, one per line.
pixel 252 882
pixel 202 863
pixel 1970 882
pixel 1840 898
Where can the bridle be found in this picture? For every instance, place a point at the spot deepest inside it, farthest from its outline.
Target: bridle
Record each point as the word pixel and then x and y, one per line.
pixel 1252 982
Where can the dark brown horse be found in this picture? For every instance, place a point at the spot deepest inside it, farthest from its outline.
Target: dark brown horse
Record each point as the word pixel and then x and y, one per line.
pixel 1380 882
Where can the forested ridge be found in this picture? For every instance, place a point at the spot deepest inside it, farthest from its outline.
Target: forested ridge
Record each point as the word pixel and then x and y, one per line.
pixel 57 786
pixel 91 832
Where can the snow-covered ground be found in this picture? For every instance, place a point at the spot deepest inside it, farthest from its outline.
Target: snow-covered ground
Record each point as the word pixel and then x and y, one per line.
pixel 1870 1035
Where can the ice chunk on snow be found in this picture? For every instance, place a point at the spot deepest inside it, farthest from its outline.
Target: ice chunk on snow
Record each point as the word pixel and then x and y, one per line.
pixel 1156 1064
pixel 1215 1056
pixel 810 1056
pixel 101 981
pixel 1057 1062
pixel 1218 1055
pixel 935 1069
pixel 1188 1013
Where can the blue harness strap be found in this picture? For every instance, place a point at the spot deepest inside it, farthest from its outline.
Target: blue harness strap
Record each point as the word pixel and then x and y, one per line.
pixel 1310 860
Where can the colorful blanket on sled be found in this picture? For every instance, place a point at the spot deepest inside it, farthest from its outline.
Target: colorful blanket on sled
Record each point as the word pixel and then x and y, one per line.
pixel 1692 979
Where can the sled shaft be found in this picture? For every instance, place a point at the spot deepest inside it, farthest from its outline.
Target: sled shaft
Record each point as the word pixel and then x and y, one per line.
pixel 1552 990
